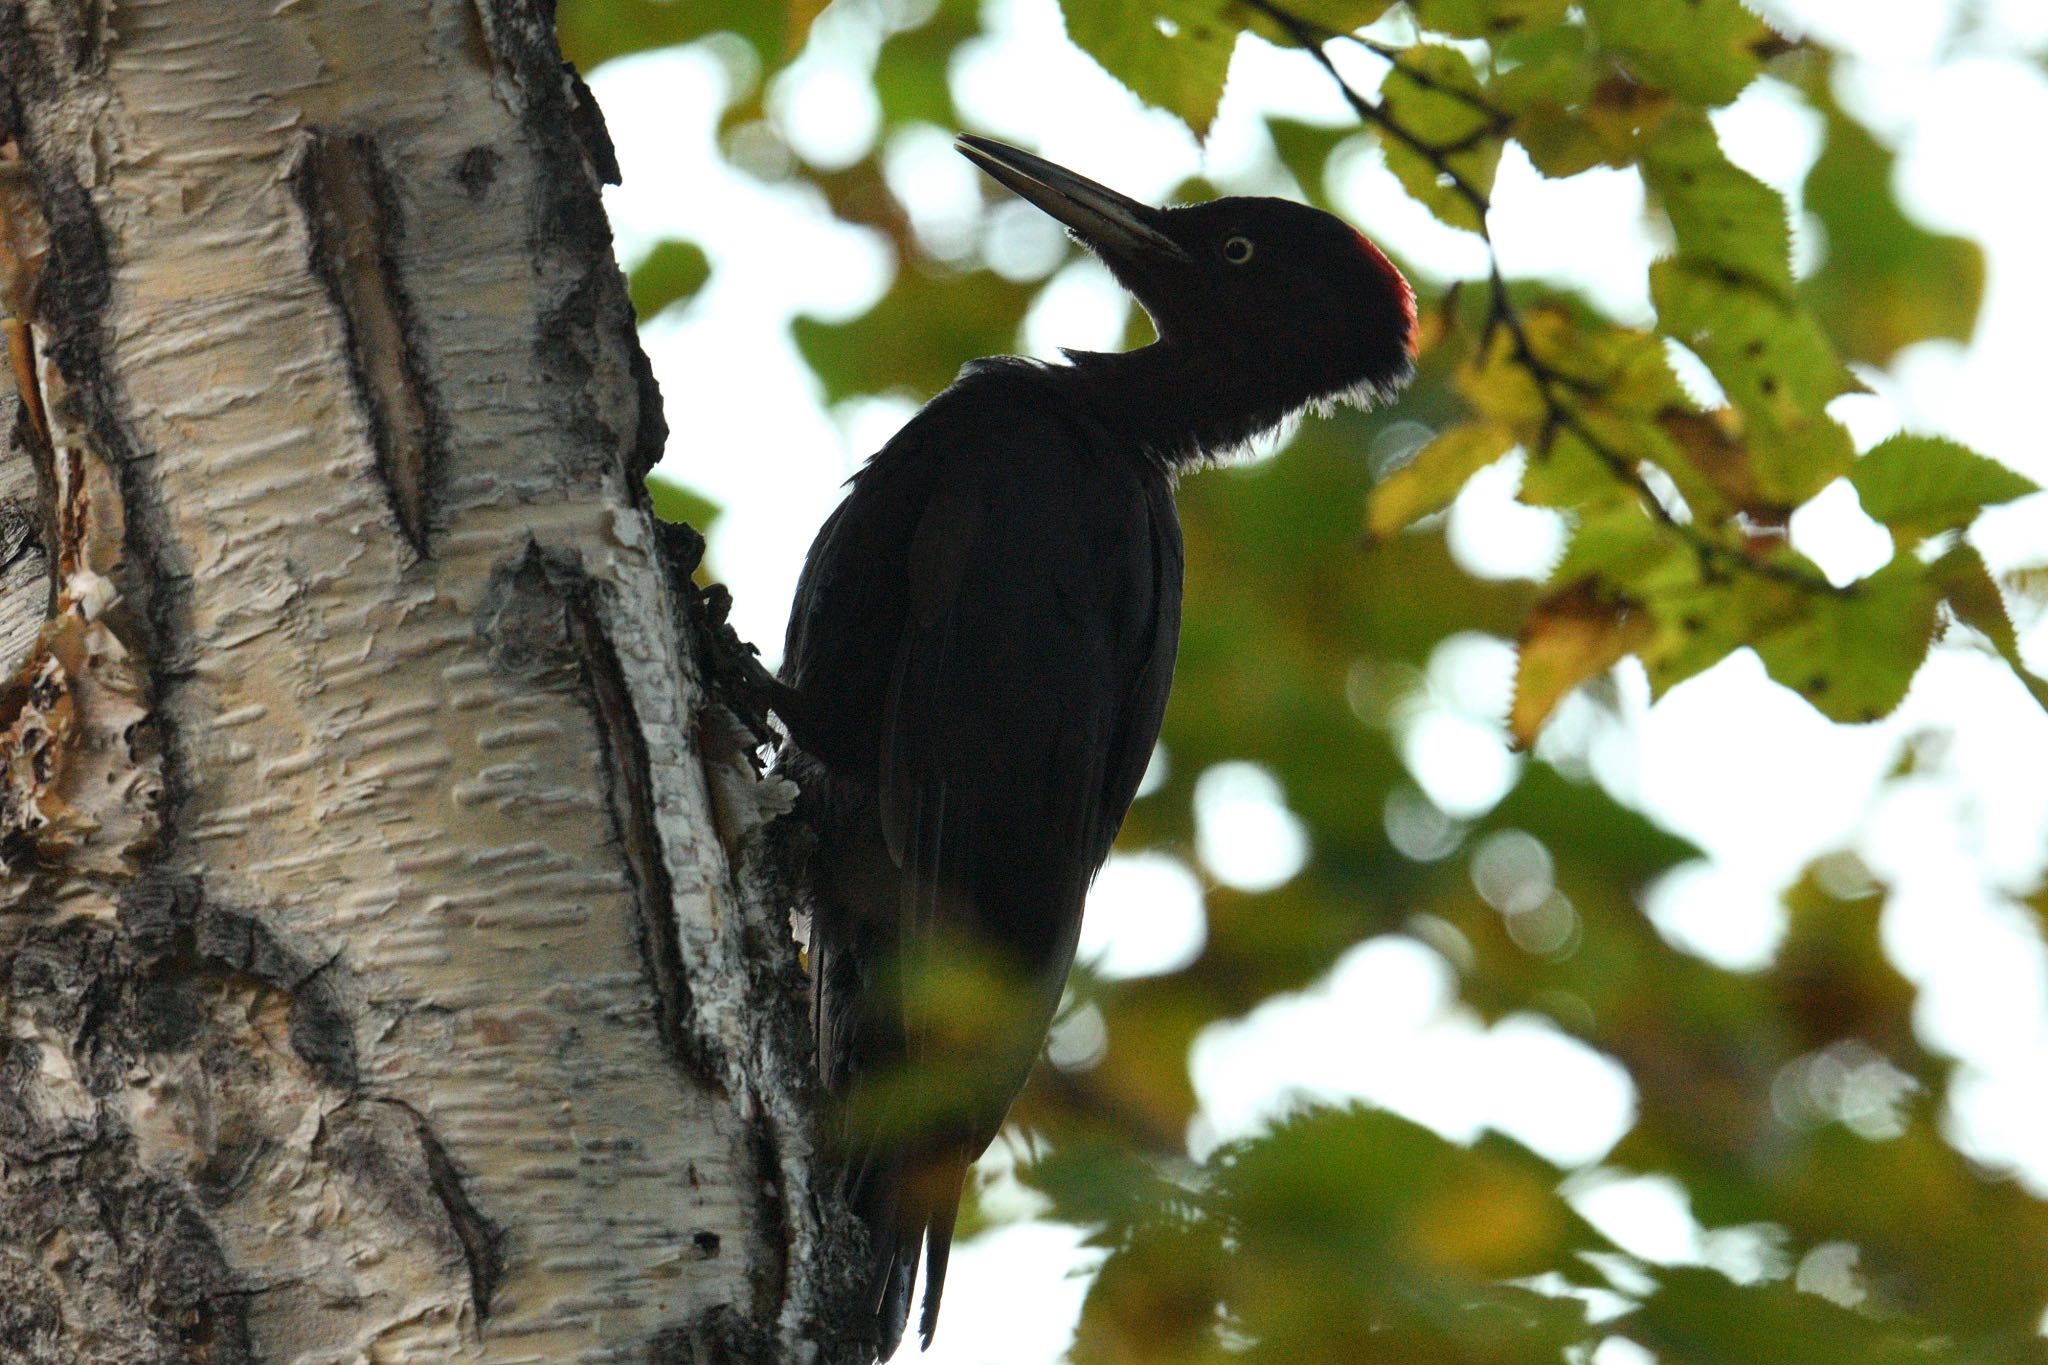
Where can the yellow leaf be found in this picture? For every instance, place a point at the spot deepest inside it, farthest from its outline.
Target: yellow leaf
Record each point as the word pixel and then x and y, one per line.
pixel 1568 638
pixel 1432 479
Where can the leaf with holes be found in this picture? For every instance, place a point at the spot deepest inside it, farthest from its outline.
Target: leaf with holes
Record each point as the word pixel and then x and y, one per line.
pixel 1492 19
pixel 1701 620
pixel 1776 366
pixel 1432 479
pixel 1853 653
pixel 1923 485
pixel 1721 216
pixel 1703 51
pixel 1450 140
pixel 1174 55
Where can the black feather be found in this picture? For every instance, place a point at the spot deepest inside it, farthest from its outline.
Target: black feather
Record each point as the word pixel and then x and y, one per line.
pixel 979 658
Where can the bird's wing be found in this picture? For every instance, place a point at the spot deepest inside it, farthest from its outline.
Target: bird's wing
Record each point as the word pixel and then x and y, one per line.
pixel 1025 697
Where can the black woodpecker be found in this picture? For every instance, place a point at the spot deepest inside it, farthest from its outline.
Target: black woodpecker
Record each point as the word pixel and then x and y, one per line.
pixel 979 656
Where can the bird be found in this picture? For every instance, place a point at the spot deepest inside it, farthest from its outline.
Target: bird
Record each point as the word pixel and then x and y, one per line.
pixel 978 660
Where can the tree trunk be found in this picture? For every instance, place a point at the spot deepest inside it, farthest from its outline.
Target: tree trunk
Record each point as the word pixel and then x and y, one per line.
pixel 386 967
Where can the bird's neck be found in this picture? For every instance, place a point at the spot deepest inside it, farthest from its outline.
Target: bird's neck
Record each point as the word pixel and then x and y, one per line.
pixel 1176 406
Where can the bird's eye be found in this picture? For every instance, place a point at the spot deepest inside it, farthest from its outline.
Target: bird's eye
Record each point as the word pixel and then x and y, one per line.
pixel 1237 250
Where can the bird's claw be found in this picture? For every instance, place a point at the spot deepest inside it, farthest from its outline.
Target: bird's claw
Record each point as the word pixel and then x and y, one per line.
pixel 737 674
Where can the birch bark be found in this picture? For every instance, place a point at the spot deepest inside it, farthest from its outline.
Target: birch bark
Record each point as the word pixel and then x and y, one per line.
pixel 384 970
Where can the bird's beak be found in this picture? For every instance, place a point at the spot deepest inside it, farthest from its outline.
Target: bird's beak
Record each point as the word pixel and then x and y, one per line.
pixel 1103 219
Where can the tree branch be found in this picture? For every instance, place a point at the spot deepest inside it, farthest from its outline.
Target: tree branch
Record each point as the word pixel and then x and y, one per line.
pixel 1502 314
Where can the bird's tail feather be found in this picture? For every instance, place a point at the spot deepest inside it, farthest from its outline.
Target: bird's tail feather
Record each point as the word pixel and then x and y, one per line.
pixel 907 1205
pixel 938 1249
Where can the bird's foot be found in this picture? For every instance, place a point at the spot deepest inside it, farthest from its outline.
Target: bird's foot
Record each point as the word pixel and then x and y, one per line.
pixel 737 676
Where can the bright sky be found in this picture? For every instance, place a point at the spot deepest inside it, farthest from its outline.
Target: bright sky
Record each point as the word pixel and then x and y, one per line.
pixel 1742 767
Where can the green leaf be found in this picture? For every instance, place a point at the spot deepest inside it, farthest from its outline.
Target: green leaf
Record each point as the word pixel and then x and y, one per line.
pixel 1885 281
pixel 1304 149
pixel 1853 653
pixel 1407 1235
pixel 1923 485
pixel 1573 110
pixel 1172 54
pixel 1775 364
pixel 1329 16
pixel 1699 1315
pixel 672 272
pixel 1701 621
pixel 1973 595
pixel 1580 821
pixel 1702 51
pixel 910 70
pixel 1496 383
pixel 1568 473
pixel 1433 94
pixel 1796 459
pixel 1432 479
pixel 915 340
pixel 1621 546
pixel 1721 216
pixel 1486 18
pixel 675 502
pixel 595 31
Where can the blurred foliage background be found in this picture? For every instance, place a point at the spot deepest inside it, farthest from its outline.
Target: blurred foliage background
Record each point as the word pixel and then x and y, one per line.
pixel 1794 1106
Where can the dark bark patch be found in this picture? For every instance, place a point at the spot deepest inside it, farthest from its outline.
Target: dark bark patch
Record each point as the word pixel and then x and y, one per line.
pixel 228 1168
pixel 650 435
pixel 400 1168
pixel 352 214
pixel 183 939
pixel 770 1224
pixel 586 120
pixel 482 1241
pixel 569 348
pixel 110 1243
pixel 476 172
pixel 717 1336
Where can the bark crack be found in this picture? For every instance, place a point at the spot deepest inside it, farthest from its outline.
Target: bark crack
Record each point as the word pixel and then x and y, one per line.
pixel 352 214
pixel 629 792
pixel 482 1241
pixel 541 616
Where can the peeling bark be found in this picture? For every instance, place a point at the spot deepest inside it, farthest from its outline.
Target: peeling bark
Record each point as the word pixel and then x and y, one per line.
pixel 391 965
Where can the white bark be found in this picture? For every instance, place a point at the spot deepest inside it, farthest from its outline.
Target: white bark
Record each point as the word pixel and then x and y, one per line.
pixel 377 979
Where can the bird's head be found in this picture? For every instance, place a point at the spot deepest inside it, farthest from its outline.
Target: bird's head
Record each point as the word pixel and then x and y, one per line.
pixel 1296 299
